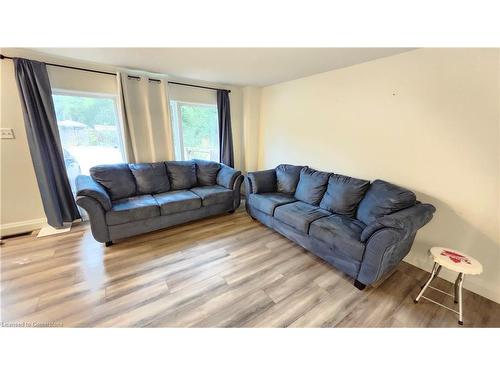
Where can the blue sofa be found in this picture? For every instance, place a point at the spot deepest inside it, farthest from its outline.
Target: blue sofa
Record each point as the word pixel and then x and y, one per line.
pixel 124 200
pixel 364 229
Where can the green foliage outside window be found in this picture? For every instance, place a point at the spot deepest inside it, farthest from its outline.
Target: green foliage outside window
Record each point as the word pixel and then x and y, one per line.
pixel 86 121
pixel 87 110
pixel 199 126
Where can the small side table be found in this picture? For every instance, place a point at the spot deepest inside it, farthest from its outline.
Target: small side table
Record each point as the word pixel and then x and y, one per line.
pixel 454 261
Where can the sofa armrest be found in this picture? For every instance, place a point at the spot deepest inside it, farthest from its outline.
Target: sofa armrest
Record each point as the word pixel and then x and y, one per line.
pixel 410 220
pixel 237 191
pixel 97 217
pixel 227 177
pixel 87 187
pixel 389 240
pixel 262 181
pixel 383 252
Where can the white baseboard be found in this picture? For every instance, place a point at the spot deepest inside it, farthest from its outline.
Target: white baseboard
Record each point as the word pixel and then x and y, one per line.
pixel 10 229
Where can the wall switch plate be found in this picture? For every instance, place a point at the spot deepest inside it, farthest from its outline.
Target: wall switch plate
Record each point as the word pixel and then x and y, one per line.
pixel 7 133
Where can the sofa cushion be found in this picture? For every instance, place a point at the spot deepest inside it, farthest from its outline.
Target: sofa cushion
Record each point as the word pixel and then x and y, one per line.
pixel 340 232
pixel 132 209
pixel 343 194
pixel 206 172
pixel 213 194
pixel 116 178
pixel 182 174
pixel 299 215
pixel 311 186
pixel 263 181
pixel 150 178
pixel 172 202
pixel 384 198
pixel 287 178
pixel 267 202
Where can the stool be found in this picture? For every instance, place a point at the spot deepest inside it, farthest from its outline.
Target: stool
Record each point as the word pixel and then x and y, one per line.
pixel 454 261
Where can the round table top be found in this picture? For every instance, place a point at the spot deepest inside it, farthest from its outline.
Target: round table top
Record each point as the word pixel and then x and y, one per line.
pixel 456 261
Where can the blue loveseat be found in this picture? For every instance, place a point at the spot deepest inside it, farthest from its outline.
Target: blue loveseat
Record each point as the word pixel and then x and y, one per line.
pixel 124 200
pixel 364 229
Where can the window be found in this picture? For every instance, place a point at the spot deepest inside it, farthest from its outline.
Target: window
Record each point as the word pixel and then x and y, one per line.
pixel 89 130
pixel 195 131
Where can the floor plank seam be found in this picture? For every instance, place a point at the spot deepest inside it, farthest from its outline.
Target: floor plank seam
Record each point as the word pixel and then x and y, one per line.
pixel 223 271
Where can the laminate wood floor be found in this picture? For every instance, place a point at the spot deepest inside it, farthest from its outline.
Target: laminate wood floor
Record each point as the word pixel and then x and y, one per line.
pixel 226 271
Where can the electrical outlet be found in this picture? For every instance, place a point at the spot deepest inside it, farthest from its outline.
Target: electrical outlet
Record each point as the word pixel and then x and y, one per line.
pixel 7 133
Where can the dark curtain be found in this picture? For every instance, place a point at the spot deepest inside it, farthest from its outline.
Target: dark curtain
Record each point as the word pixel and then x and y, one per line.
pixel 226 153
pixel 44 142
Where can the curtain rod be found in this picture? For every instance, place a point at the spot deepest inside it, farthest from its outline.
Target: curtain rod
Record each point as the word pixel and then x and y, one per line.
pixel 198 86
pixel 66 66
pixel 114 74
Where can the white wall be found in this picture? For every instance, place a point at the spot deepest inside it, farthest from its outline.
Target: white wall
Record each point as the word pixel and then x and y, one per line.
pixel 21 207
pixel 193 95
pixel 251 119
pixel 426 119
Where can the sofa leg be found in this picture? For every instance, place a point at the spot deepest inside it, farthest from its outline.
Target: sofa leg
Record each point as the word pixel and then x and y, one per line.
pixel 359 285
pixel 232 211
pixel 109 243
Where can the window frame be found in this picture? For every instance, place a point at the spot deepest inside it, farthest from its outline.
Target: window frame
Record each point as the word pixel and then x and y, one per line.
pixel 178 122
pixel 100 95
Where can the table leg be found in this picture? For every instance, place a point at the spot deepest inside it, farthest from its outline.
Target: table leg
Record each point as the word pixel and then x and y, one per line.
pixel 435 271
pixel 456 288
pixel 460 310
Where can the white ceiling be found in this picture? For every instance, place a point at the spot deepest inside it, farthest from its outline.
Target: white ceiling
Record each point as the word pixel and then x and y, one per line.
pixel 235 66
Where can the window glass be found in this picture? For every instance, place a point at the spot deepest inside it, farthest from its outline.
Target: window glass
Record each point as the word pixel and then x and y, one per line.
pixel 89 131
pixel 195 131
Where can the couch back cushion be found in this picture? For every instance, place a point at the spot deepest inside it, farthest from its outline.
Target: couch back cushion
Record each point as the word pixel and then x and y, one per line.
pixel 287 178
pixel 384 198
pixel 206 172
pixel 311 186
pixel 227 176
pixel 116 178
pixel 343 194
pixel 150 178
pixel 182 174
